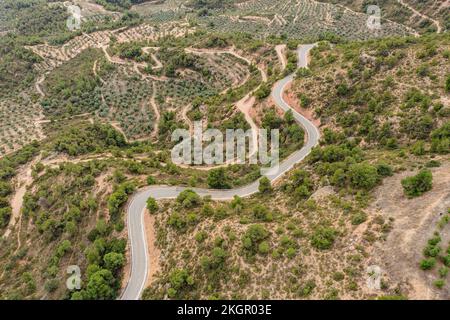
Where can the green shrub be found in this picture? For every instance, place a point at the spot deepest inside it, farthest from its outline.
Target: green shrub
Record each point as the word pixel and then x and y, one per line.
pixel 358 218
pixel 262 213
pixel 363 176
pixel 417 185
pixel 323 238
pixel 177 221
pixel 427 264
pixel 5 216
pixel 152 205
pixel 432 251
pixel 189 199
pixel 264 185
pixel 439 283
pixel 217 179
pixel 263 247
pixel 151 180
pixel 291 252
pixel 180 280
pixel 443 272
pixel 254 235
pixel 384 170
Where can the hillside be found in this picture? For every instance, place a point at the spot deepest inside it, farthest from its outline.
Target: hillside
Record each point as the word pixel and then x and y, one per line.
pixel 316 233
pixel 86 125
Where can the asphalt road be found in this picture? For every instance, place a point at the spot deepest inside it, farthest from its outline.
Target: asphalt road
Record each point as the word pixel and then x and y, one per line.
pixel 136 208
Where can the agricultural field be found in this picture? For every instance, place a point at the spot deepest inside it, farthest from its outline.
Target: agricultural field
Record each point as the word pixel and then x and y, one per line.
pixel 21 123
pixel 422 16
pixel 126 100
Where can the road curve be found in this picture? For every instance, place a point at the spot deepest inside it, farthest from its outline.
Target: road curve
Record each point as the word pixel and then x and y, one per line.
pixel 136 207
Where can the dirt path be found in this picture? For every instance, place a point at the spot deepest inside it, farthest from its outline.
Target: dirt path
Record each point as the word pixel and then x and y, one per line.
pixel 111 59
pixel 435 22
pixel 415 221
pixel 216 51
pixel 158 63
pixel 23 181
pixel 186 119
pixel 157 113
pixel 94 70
pixel 245 105
pixel 281 53
pixel 153 251
pixel 38 84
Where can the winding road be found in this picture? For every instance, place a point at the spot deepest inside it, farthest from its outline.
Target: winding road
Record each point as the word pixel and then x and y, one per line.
pixel 137 205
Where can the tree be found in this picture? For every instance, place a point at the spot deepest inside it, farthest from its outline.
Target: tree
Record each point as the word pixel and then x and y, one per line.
pixel 177 221
pixel 215 261
pixel 5 215
pixel 264 185
pixel 189 198
pixel 5 189
pixel 363 176
pixel 384 170
pixel 218 179
pixel 263 92
pixel 254 235
pixel 180 280
pixel 114 261
pixel 152 205
pixel 101 286
pixel 419 184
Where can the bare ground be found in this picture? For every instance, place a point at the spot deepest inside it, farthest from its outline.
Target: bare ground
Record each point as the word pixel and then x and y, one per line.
pixel 281 52
pixel 153 251
pixel 414 223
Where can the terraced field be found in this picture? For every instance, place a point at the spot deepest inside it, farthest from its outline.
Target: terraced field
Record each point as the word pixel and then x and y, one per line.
pixel 298 19
pixel 54 56
pixel 20 123
pixel 126 101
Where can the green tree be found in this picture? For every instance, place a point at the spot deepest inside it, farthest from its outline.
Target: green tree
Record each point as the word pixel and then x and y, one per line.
pixel 263 92
pixel 101 286
pixel 218 179
pixel 152 205
pixel 180 280
pixel 114 261
pixel 417 185
pixel 254 235
pixel 5 189
pixel 264 185
pixel 5 215
pixel 177 221
pixel 189 199
pixel 363 176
